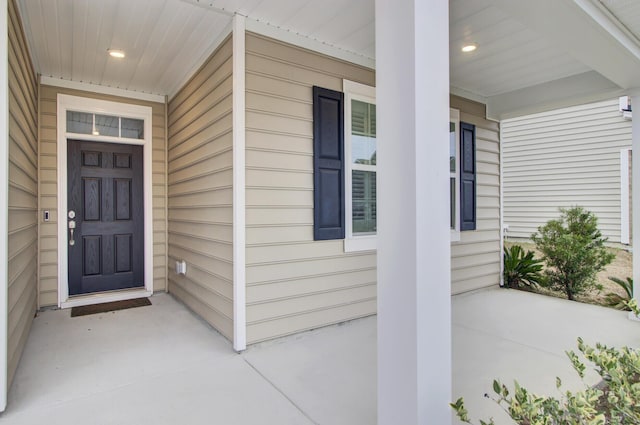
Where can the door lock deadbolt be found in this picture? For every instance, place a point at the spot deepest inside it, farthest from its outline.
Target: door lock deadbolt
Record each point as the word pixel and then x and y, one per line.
pixel 72 226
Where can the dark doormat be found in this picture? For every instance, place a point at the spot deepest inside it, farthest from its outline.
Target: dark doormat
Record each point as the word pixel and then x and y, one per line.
pixel 106 307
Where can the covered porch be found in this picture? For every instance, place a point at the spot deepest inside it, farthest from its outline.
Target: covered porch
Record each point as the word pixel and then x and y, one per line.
pixel 171 367
pixel 240 233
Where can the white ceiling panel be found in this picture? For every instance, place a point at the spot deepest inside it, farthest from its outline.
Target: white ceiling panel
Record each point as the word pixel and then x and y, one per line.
pixel 310 17
pixel 345 24
pixel 276 12
pixel 166 40
pixel 163 40
pixel 353 16
pixel 627 12
pixel 362 40
pixel 509 56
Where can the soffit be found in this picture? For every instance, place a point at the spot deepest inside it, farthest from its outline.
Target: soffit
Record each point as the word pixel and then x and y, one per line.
pixel 346 24
pixel 162 40
pixel 166 41
pixel 527 50
pixel 510 56
pixel 627 12
pixel 585 31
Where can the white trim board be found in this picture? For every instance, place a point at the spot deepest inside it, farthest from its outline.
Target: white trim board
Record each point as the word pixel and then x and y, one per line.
pixel 95 88
pixel 466 94
pixel 66 102
pixel 624 196
pixel 503 229
pixel 239 189
pixel 611 24
pixel 635 197
pixel 454 116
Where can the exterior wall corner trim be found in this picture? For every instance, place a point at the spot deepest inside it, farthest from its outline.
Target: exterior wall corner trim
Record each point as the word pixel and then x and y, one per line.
pixel 4 204
pixel 239 188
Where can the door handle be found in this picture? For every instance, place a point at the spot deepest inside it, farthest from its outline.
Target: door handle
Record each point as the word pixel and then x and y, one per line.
pixel 72 226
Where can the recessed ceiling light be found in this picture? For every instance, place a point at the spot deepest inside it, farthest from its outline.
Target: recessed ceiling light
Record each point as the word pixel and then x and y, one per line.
pixel 116 53
pixel 469 47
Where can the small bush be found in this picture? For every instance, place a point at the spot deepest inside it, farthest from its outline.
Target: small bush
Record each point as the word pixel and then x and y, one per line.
pixel 615 300
pixel 521 268
pixel 573 249
pixel 615 401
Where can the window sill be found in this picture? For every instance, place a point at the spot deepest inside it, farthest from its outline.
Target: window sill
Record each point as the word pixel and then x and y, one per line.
pixel 361 243
pixel 455 236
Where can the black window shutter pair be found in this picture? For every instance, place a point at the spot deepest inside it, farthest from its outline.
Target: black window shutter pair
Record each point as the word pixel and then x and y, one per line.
pixel 328 167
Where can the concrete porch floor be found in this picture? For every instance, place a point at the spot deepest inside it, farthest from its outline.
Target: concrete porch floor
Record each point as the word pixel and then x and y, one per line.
pixel 163 365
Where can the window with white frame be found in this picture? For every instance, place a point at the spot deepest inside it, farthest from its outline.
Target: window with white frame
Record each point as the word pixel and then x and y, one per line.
pixel 345 174
pixel 454 173
pixel 360 166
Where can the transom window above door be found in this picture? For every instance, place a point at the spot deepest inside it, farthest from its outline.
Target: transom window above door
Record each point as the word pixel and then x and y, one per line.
pixel 104 125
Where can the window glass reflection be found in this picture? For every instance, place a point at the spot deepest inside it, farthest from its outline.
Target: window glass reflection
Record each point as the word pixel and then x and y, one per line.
pixel 132 128
pixel 79 122
pixel 364 206
pixel 107 125
pixel 363 133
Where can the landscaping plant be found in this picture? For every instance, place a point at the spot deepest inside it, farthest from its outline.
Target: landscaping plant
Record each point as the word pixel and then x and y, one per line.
pixel 573 249
pixel 619 301
pixel 615 401
pixel 521 268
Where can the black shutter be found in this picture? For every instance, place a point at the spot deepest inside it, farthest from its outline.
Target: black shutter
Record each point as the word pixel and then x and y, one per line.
pixel 328 164
pixel 467 176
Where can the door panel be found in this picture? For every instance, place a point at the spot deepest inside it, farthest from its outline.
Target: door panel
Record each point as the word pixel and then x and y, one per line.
pixel 105 190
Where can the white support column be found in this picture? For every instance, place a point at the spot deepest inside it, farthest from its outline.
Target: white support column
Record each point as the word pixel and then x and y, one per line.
pixel 4 199
pixel 239 231
pixel 414 277
pixel 635 195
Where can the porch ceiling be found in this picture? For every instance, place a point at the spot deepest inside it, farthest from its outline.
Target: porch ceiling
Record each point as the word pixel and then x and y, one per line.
pixel 627 11
pixel 531 56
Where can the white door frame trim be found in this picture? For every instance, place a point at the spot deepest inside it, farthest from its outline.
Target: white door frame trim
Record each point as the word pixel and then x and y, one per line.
pixel 67 102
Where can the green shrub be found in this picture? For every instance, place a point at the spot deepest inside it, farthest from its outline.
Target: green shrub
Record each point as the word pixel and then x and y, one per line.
pixel 615 401
pixel 573 249
pixel 521 268
pixel 620 301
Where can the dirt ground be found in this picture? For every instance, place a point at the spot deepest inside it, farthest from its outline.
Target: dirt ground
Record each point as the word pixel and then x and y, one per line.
pixel 621 267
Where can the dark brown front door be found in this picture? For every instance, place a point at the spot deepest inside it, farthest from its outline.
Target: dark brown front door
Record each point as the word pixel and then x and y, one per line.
pixel 105 200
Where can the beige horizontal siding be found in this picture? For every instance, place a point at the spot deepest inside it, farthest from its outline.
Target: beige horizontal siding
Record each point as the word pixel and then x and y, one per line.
pixel 293 282
pixel 23 193
pixel 563 158
pixel 49 189
pixel 200 191
pixel 475 259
